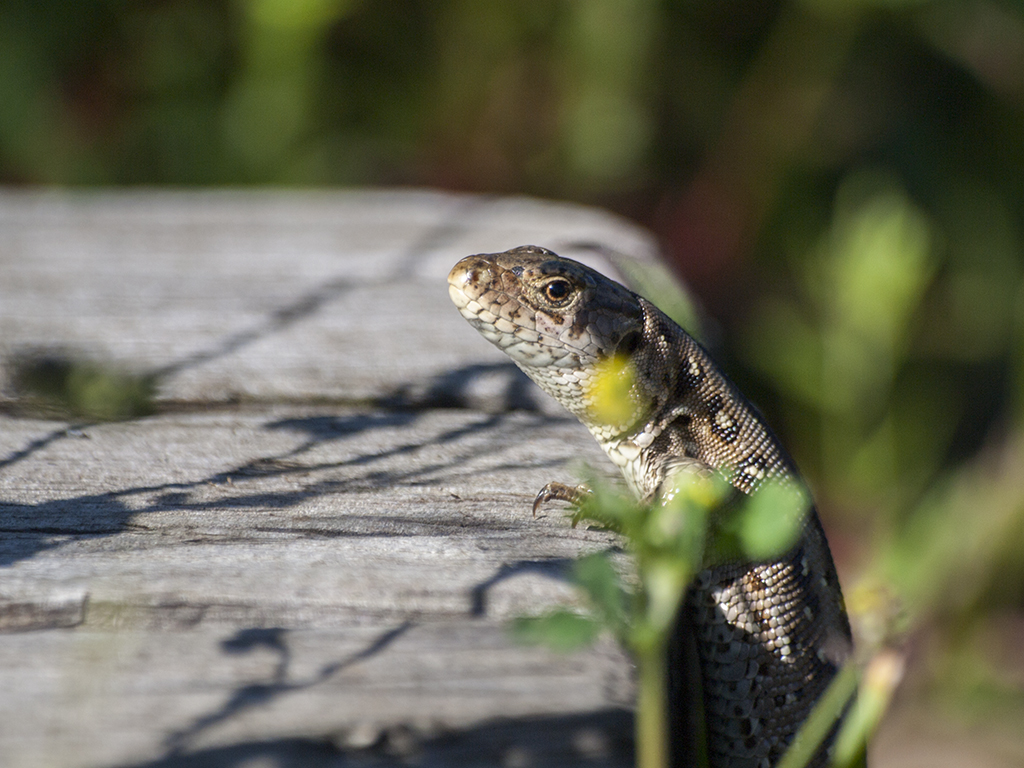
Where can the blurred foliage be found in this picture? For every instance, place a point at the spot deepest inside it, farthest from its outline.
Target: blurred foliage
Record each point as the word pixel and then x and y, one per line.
pixel 62 385
pixel 841 181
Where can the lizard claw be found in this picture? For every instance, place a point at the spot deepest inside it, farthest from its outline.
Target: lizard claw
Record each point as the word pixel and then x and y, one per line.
pixel 574 495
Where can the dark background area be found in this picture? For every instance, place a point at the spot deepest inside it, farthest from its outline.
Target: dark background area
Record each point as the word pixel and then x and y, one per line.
pixel 840 183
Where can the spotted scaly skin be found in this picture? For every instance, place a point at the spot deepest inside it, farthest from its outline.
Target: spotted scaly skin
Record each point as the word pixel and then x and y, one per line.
pixel 768 636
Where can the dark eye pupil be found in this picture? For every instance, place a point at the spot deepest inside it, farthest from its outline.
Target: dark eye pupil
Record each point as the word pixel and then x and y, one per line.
pixel 557 289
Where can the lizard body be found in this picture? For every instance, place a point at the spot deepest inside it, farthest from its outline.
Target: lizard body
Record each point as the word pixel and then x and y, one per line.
pixel 768 636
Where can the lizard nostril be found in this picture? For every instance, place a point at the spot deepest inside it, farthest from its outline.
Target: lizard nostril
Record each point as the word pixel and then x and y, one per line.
pixel 478 275
pixel 471 272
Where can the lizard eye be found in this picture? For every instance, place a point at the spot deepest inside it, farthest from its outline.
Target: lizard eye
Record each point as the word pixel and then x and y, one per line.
pixel 558 291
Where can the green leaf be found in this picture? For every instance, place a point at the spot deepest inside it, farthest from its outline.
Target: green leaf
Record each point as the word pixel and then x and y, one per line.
pixel 771 519
pixel 617 400
pixel 609 507
pixel 560 630
pixel 677 523
pixel 596 576
pixel 761 526
pixel 665 580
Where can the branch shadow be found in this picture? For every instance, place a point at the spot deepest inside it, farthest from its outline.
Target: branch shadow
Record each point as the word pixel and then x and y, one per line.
pixel 598 739
pixel 28 529
pixel 491 387
pixel 304 306
pixel 260 694
pixel 41 442
pixel 555 568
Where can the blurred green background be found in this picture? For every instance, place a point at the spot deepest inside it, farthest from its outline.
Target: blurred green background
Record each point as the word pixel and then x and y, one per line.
pixel 842 184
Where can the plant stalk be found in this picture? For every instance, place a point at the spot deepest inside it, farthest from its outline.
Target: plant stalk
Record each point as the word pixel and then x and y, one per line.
pixel 651 709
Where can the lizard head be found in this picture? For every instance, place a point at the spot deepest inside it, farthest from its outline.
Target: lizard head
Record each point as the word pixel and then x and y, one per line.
pixel 544 310
pixel 560 321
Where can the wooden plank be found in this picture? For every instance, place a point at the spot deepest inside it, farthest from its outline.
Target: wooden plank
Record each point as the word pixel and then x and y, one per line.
pixel 267 296
pixel 325 569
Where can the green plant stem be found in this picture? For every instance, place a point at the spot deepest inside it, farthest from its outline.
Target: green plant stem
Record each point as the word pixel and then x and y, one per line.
pixel 651 714
pixel 823 717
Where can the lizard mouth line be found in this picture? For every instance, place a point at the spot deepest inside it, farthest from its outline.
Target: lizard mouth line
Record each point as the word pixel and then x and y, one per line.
pixel 462 301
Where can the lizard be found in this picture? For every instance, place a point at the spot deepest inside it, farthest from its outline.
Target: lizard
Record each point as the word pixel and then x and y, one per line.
pixel 766 637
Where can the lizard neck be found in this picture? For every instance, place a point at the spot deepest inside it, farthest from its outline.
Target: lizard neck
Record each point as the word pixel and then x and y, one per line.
pixel 632 453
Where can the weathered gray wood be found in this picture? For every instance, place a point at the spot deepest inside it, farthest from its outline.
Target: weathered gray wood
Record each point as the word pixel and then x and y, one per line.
pixel 339 295
pixel 328 565
pixel 286 515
